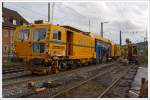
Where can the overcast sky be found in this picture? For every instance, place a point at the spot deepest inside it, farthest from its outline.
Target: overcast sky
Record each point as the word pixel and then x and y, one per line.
pixel 130 17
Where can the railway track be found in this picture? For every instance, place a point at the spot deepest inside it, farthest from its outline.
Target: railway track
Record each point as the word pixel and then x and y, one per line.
pixel 72 82
pixel 74 85
pixel 14 68
pixel 122 83
pixel 40 79
pixel 71 91
pixel 28 79
pixel 84 90
pixel 15 72
pixel 81 90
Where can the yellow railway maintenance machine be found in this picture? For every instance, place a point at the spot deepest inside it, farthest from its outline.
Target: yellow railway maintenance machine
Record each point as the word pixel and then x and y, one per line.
pixel 50 48
pixel 130 52
pixel 116 51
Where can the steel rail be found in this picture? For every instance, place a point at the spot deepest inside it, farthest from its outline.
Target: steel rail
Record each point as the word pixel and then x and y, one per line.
pixel 15 75
pixel 13 70
pixel 113 84
pixel 31 93
pixel 45 77
pixel 84 82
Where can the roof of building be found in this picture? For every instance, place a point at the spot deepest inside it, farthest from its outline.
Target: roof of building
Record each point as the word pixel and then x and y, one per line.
pixel 142 43
pixel 8 13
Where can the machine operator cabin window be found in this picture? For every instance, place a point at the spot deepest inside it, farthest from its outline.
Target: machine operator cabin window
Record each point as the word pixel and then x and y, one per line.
pixel 23 34
pixel 39 34
pixel 38 47
pixel 56 35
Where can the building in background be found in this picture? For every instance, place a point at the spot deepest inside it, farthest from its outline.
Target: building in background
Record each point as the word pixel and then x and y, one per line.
pixel 10 19
pixel 142 46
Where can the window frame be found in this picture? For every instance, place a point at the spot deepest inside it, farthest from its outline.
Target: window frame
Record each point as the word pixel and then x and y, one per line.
pixel 59 36
pixel 39 48
pixel 38 33
pixel 23 39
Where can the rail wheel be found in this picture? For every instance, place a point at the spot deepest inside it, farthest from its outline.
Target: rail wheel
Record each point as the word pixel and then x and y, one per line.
pixel 104 59
pixel 63 66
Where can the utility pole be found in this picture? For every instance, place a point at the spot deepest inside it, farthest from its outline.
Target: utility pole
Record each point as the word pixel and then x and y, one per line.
pixel 146 36
pixel 102 23
pixel 52 11
pixel 89 26
pixel 120 38
pixel 49 19
pixel 101 29
pixel 145 40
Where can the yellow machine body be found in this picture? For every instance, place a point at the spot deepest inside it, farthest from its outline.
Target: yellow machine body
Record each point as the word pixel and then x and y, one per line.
pixel 44 41
pixel 82 46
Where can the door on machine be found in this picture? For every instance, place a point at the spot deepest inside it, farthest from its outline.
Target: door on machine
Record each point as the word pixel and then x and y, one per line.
pixel 23 42
pixel 98 54
pixel 69 43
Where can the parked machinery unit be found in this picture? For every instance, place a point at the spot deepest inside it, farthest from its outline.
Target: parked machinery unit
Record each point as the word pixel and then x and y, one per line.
pixel 116 51
pixel 102 48
pixel 130 52
pixel 50 48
